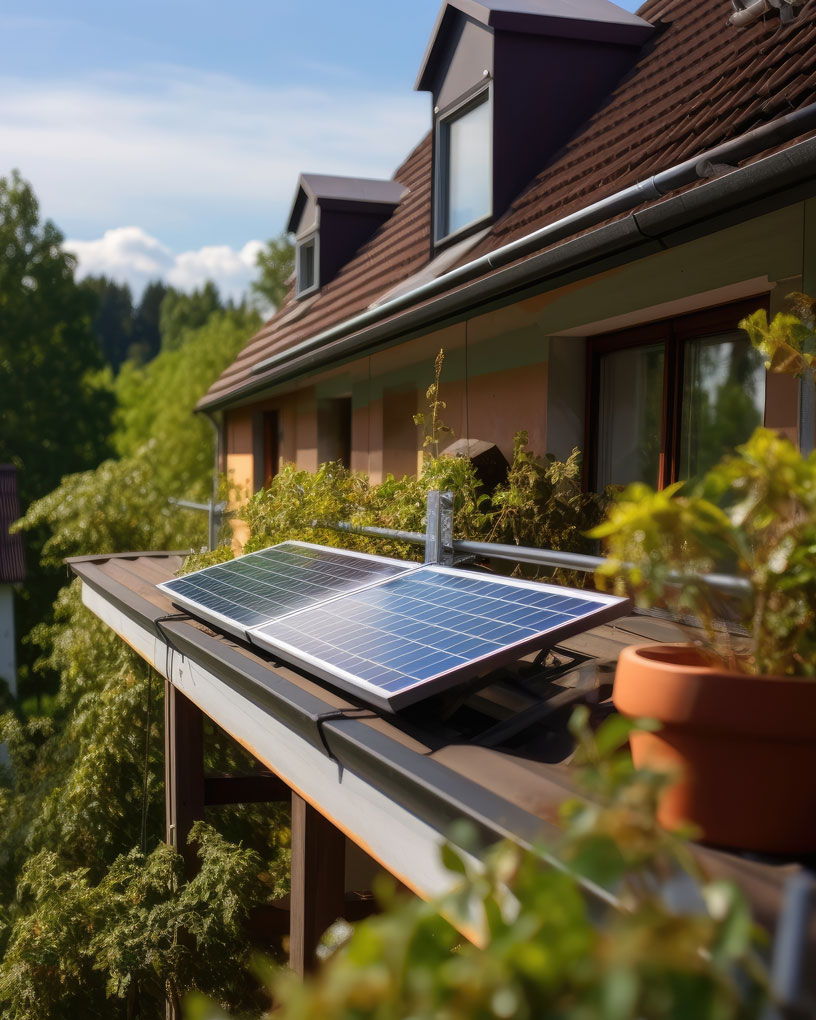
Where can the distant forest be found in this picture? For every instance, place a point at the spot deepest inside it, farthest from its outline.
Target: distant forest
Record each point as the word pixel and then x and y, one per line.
pixel 88 374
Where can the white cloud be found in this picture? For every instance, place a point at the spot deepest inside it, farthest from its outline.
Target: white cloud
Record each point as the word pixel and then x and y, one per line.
pixel 122 251
pixel 131 255
pixel 227 267
pixel 193 157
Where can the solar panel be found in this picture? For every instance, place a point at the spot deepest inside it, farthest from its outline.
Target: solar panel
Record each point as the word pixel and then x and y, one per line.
pixel 424 631
pixel 263 586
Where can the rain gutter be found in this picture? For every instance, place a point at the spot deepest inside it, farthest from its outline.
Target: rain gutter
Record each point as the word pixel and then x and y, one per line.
pixel 214 519
pixel 730 187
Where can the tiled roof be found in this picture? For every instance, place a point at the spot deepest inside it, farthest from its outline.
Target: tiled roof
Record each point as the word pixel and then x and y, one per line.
pixel 697 84
pixel 397 250
pixel 12 564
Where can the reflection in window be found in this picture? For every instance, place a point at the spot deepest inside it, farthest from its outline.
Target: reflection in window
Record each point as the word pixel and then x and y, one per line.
pixel 306 269
pixel 630 415
pixel 723 399
pixel 466 178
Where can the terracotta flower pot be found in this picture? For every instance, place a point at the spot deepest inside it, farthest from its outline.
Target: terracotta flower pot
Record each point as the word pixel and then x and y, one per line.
pixel 743 747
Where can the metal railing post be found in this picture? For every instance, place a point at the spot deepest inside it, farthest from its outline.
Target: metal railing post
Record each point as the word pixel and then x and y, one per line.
pixel 439 528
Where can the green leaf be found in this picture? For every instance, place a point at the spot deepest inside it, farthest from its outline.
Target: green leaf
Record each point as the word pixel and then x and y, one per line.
pixel 452 861
pixel 613 733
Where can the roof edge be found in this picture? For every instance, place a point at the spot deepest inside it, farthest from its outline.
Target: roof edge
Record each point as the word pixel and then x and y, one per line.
pixel 388 321
pixel 628 30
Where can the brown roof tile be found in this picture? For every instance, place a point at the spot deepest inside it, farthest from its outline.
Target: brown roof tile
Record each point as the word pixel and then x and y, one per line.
pixel 696 85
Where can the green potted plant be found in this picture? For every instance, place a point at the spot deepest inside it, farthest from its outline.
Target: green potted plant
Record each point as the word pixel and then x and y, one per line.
pixel 737 706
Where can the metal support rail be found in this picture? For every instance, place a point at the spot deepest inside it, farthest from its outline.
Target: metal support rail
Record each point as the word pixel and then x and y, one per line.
pixel 725 583
pixel 215 511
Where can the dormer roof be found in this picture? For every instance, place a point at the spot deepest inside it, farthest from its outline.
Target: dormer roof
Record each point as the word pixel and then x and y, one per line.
pixel 589 20
pixel 359 191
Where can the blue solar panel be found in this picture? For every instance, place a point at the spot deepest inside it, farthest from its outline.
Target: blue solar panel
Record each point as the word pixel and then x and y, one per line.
pixel 254 589
pixel 421 632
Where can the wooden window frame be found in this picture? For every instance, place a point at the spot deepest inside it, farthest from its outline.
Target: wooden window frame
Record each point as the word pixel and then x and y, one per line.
pixel 674 333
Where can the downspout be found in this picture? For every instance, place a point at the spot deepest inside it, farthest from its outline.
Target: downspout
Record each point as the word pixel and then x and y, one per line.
pixel 212 528
pixel 657 186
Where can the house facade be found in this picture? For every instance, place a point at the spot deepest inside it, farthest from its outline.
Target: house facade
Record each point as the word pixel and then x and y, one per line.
pixel 601 198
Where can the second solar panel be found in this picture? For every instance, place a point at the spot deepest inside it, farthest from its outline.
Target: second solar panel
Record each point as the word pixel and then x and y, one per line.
pixel 425 631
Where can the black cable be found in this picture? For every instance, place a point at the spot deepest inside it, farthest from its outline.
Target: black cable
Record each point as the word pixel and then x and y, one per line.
pixel 336 714
pixel 167 638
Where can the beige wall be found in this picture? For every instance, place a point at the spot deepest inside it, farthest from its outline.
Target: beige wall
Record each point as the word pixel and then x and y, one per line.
pixel 239 443
pixel 494 383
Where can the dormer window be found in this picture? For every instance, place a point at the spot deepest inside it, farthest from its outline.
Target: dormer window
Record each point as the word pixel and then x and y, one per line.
pixel 506 97
pixel 332 218
pixel 307 280
pixel 464 187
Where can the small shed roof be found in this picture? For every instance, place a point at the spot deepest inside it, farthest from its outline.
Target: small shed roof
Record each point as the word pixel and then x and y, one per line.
pixel 12 562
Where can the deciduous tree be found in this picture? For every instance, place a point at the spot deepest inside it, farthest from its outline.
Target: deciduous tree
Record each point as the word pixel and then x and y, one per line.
pixel 55 410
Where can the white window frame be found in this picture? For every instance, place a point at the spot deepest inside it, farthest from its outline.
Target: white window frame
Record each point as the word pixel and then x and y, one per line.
pixel 453 112
pixel 310 241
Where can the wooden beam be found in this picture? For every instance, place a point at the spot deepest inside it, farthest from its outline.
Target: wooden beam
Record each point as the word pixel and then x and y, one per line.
pixel 318 877
pixel 270 921
pixel 183 771
pixel 261 788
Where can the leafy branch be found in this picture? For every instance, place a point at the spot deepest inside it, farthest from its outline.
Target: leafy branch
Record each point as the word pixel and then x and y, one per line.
pixel 547 948
pixel 788 342
pixel 432 421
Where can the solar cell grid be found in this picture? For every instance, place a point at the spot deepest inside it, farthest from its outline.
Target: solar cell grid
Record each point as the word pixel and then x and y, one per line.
pixel 254 589
pixel 430 628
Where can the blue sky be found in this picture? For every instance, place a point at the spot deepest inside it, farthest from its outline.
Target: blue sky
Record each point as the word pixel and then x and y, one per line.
pixel 165 139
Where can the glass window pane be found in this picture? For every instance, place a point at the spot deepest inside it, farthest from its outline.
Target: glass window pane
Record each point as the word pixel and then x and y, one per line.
pixel 630 416
pixel 469 167
pixel 306 266
pixel 723 399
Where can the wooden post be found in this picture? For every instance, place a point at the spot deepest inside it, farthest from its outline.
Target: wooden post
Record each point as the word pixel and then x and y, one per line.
pixel 318 882
pixel 183 771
